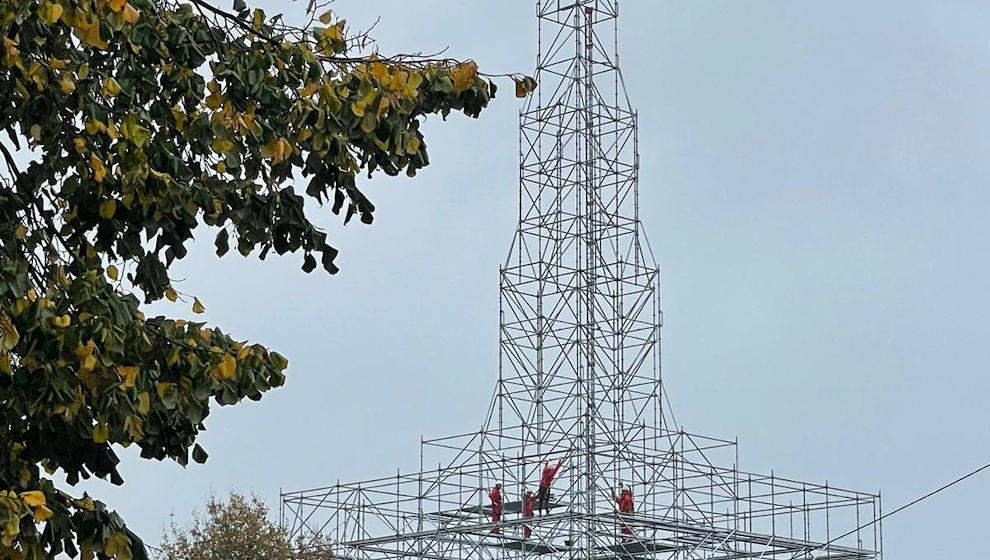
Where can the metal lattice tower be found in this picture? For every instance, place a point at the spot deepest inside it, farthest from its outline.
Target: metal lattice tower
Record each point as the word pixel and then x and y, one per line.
pixel 579 378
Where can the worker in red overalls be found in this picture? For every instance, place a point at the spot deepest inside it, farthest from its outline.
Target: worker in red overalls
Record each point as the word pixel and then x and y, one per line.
pixel 529 499
pixel 543 495
pixel 624 499
pixel 496 497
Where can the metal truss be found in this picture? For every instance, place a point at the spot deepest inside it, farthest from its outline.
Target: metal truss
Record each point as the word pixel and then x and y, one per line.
pixel 579 378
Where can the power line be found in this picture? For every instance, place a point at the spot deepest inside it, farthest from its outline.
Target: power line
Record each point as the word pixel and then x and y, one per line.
pixel 907 505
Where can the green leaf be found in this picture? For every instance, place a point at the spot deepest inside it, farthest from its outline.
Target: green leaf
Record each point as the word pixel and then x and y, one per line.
pixel 222 242
pixel 198 454
pixel 309 263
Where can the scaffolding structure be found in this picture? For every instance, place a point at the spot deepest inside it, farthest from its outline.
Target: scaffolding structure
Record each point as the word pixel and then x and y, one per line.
pixel 579 379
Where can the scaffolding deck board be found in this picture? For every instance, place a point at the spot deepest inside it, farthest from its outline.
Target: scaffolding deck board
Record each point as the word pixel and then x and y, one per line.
pixel 616 551
pixel 532 547
pixel 639 547
pixel 508 507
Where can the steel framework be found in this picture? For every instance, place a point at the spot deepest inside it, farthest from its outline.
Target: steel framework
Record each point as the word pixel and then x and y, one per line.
pixel 579 378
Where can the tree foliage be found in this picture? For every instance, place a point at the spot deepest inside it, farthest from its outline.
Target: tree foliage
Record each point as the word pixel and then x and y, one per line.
pixel 237 529
pixel 143 121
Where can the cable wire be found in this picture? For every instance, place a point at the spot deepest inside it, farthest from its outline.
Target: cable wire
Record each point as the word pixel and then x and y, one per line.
pixel 905 506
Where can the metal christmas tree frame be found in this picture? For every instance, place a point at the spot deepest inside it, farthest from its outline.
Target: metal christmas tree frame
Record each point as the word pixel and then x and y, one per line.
pixel 579 378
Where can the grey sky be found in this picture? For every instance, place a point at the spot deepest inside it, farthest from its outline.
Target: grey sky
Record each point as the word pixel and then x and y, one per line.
pixel 814 185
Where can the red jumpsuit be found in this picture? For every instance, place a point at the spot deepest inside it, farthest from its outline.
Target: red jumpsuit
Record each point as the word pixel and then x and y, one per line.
pixel 496 497
pixel 625 503
pixel 543 496
pixel 549 472
pixel 528 502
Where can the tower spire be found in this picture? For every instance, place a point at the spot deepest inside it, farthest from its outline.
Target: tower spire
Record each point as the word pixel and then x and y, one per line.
pixel 579 297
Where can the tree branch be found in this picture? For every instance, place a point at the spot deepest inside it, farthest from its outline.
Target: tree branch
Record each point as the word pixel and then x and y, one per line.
pixel 10 160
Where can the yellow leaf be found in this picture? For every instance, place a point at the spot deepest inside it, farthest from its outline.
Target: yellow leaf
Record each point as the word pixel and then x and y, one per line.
pixel 87 28
pixel 62 321
pixel 226 368
pixel 215 100
pixel 173 356
pixel 66 84
pixel 118 546
pixel 197 306
pixel 283 151
pixel 101 433
pixel 116 5
pixel 34 498
pixel 80 144
pixel 130 14
pixel 129 374
pixel 42 513
pixel 276 150
pixel 19 306
pixel 326 17
pixel 49 12
pixel 8 334
pixel 93 126
pixel 379 71
pixel 112 272
pixel 108 207
pixel 20 231
pixel 84 503
pixel 310 89
pixel 110 87
pixel 170 294
pixel 88 363
pixel 99 172
pixel 464 75
pixel 524 85
pixel 163 388
pixel 144 403
pixel 412 145
pixel 333 33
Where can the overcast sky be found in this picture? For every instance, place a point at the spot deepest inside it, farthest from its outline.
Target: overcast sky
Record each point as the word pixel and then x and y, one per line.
pixel 814 184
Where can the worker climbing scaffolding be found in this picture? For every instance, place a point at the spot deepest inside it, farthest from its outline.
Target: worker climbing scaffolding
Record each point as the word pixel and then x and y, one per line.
pixel 546 480
pixel 497 502
pixel 624 501
pixel 528 501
